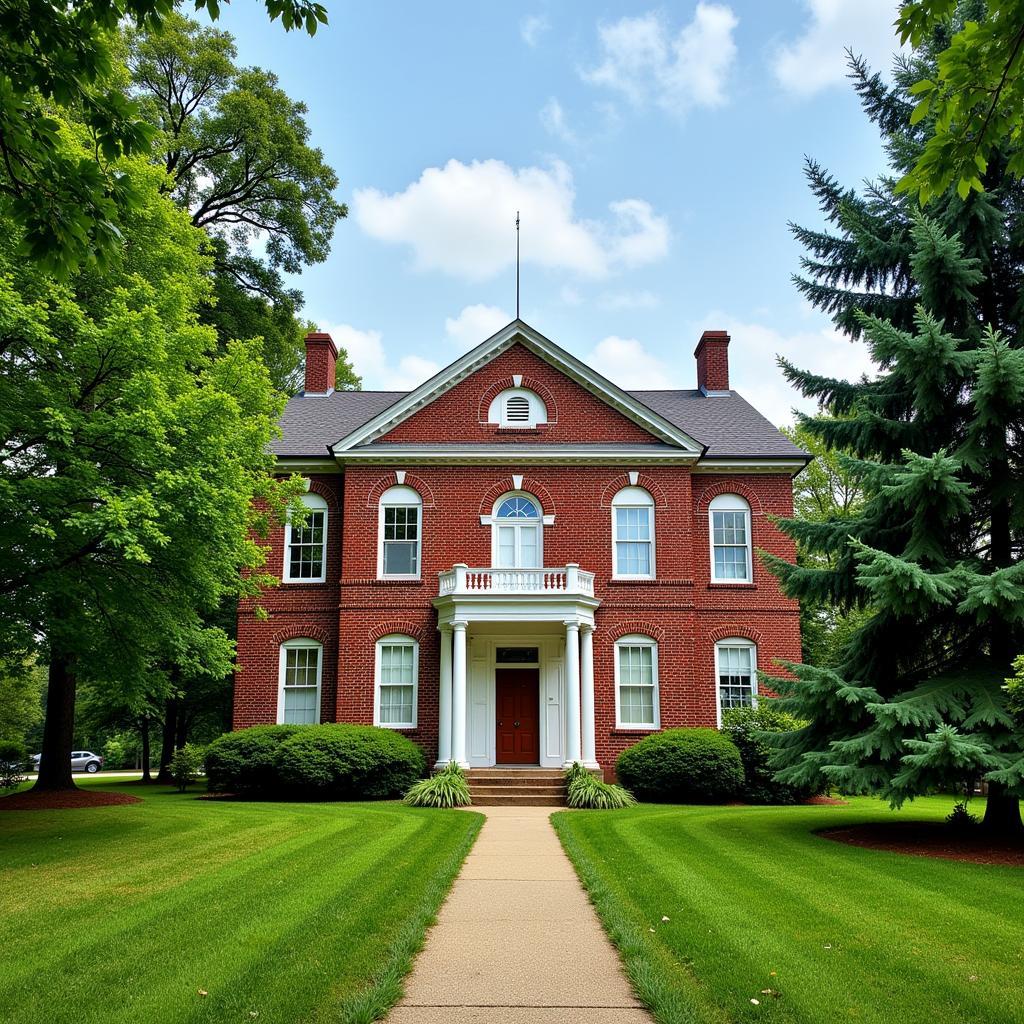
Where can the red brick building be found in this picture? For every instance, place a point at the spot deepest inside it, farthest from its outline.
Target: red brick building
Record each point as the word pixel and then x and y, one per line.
pixel 519 562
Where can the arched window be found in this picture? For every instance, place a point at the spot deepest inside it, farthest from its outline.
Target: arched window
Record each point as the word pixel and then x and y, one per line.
pixel 398 531
pixel 298 698
pixel 736 674
pixel 517 407
pixel 305 544
pixel 729 526
pixel 397 676
pixel 517 532
pixel 633 534
pixel 636 683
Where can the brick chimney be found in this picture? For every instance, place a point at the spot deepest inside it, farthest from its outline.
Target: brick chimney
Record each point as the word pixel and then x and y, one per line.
pixel 712 355
pixel 321 358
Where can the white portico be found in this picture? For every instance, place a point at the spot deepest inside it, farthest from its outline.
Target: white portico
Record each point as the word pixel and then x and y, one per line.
pixel 517 666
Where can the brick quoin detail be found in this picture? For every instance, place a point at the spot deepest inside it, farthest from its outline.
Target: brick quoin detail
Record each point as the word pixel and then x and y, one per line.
pixel 529 384
pixel 648 483
pixel 454 416
pixel 418 484
pixel 530 485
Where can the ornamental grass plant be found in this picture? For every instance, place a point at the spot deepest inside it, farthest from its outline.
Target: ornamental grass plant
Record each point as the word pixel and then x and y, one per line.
pixel 446 788
pixel 585 791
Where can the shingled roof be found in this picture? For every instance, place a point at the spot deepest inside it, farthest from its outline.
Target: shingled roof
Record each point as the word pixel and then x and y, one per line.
pixel 728 425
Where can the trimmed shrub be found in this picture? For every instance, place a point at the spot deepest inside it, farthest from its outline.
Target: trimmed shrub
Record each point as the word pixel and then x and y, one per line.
pixel 446 788
pixel 186 765
pixel 12 764
pixel 324 762
pixel 682 766
pixel 584 790
pixel 747 728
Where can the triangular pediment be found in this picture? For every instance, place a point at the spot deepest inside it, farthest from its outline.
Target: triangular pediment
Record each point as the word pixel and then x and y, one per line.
pixel 646 424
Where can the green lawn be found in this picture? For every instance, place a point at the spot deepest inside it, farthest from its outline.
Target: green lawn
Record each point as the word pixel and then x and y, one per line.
pixel 280 913
pixel 755 901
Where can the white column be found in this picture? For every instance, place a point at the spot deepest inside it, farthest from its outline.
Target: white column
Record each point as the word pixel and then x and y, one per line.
pixel 444 700
pixel 572 692
pixel 589 743
pixel 459 693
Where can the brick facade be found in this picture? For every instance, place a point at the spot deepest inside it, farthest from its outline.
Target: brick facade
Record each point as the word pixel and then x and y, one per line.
pixel 681 608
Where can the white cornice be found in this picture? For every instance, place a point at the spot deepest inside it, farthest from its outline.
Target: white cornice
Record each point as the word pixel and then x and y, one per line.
pixel 502 455
pixel 517 331
pixel 789 466
pixel 306 465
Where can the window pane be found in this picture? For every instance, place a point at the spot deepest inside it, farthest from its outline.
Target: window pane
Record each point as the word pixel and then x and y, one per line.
pixel 506 547
pixel 632 559
pixel 529 554
pixel 736 676
pixel 396 704
pixel 400 558
pixel 300 705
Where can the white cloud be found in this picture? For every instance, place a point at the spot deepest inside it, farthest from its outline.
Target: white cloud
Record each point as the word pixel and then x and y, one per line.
pixel 460 219
pixel 645 61
pixel 532 27
pixel 629 300
pixel 817 59
pixel 367 355
pixel 626 362
pixel 552 117
pixel 570 296
pixel 475 324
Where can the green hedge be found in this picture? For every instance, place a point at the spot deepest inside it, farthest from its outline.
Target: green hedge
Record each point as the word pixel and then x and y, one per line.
pixel 682 766
pixel 327 762
pixel 750 729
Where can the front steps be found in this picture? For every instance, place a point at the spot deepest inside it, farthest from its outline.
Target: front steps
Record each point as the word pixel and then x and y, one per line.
pixel 512 787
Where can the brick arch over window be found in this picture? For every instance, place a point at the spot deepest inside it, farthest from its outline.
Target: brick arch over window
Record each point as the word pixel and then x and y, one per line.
pixel 712 491
pixel 534 487
pixel 652 487
pixel 622 629
pixel 740 632
pixel 299 632
pixel 417 483
pixel 530 384
pixel 396 626
pixel 325 492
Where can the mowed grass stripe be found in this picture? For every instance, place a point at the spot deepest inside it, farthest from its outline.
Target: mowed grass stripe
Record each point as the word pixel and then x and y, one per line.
pixel 751 891
pixel 297 912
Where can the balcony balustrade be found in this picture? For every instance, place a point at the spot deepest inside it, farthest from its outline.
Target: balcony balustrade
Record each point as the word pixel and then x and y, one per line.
pixel 462 580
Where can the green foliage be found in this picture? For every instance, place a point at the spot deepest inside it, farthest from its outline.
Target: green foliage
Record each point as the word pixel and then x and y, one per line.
pixel 13 758
pixel 971 101
pixel 747 729
pixel 585 791
pixel 334 762
pixel 445 788
pixel 1015 690
pixel 961 819
pixel 21 689
pixel 187 765
pixel 237 151
pixel 682 766
pixel 120 750
pixel 70 204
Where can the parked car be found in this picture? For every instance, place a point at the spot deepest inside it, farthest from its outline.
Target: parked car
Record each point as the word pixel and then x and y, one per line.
pixel 81 761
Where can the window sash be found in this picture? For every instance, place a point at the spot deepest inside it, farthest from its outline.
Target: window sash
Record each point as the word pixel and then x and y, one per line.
pixel 400 540
pixel 301 686
pixel 518 546
pixel 730 538
pixel 637 684
pixel 396 684
pixel 306 547
pixel 737 680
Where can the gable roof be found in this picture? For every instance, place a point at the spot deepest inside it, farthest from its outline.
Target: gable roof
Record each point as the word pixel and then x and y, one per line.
pixel 518 332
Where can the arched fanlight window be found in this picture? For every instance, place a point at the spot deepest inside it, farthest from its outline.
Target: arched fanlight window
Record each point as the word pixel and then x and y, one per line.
pixel 517 537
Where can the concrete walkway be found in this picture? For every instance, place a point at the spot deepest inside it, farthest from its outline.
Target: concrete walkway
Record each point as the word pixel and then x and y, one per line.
pixel 517 940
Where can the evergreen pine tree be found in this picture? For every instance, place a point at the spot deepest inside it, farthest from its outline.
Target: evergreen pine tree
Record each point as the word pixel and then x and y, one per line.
pixel 916 699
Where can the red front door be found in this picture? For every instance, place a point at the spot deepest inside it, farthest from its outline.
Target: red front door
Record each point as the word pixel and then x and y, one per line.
pixel 517 697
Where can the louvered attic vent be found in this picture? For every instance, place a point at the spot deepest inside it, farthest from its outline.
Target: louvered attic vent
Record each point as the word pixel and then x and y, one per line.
pixel 517 409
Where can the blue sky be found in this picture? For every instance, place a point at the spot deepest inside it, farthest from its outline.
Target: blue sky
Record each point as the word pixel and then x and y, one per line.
pixel 655 153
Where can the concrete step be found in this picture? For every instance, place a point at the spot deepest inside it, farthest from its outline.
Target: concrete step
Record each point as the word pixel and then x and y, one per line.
pixel 497 780
pixel 518 800
pixel 476 791
pixel 515 773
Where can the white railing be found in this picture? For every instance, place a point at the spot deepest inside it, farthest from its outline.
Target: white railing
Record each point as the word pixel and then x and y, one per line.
pixel 462 580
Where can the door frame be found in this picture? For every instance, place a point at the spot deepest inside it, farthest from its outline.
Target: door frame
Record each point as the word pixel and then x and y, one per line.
pixel 481 706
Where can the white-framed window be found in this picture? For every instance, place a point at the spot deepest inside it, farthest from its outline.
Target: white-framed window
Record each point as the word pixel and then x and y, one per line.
pixel 633 534
pixel 517 407
pixel 636 683
pixel 517 532
pixel 729 528
pixel 305 544
pixel 397 687
pixel 399 529
pixel 736 674
pixel 298 697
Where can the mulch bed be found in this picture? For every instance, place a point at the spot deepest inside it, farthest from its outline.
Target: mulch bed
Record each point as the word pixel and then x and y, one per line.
pixel 825 801
pixel 63 800
pixel 931 839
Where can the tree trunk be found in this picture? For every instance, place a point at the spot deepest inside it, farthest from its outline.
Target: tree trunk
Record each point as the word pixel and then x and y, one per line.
pixel 146 777
pixel 1002 812
pixel 167 741
pixel 59 727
